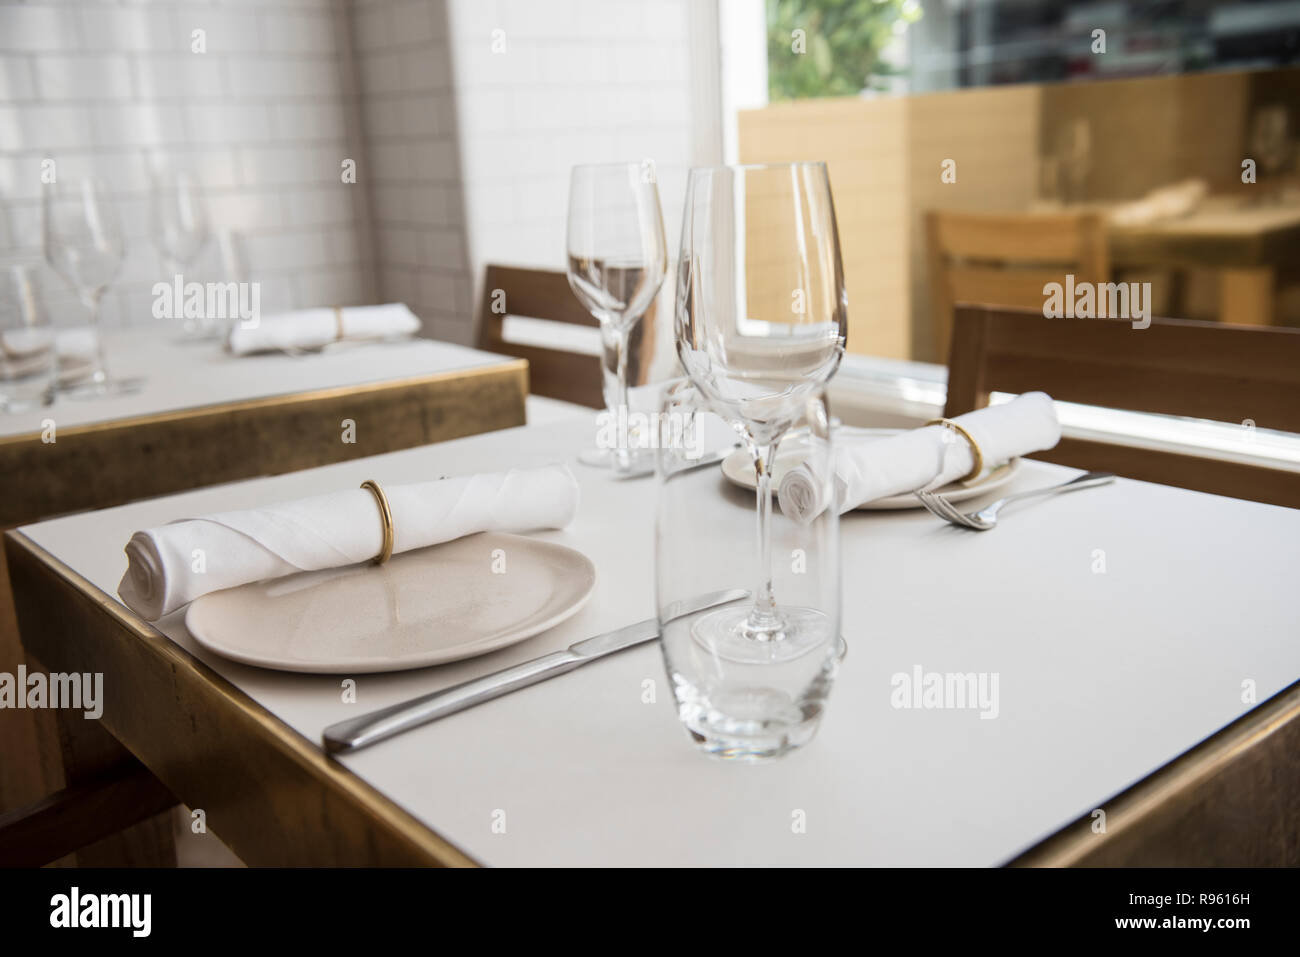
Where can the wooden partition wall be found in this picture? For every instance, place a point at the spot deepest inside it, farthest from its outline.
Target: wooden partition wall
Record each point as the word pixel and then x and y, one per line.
pixel 887 157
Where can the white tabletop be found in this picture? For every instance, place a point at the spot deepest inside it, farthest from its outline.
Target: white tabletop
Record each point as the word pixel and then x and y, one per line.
pixel 1103 677
pixel 183 374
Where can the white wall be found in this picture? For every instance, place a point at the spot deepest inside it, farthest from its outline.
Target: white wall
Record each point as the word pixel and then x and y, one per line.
pixel 412 161
pixel 579 81
pixel 259 118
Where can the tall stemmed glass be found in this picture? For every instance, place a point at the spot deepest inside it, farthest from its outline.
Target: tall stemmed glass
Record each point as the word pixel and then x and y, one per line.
pixel 83 243
pixel 180 227
pixel 761 325
pixel 617 258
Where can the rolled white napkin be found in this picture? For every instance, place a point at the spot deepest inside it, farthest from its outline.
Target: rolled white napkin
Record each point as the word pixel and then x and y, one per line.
pixel 314 328
pixel 929 457
pixel 329 531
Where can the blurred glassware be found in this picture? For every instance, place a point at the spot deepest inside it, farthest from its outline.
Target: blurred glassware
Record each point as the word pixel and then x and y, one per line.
pixel 768 698
pixel 1270 144
pixel 617 260
pixel 180 230
pixel 27 355
pixel 761 325
pixel 1074 159
pixel 83 243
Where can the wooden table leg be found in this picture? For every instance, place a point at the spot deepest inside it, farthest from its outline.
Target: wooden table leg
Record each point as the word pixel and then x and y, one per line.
pixel 29 742
pixel 1246 296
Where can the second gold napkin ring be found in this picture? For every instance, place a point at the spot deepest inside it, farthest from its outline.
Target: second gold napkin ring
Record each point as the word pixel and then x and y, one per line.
pixel 975 452
pixel 386 517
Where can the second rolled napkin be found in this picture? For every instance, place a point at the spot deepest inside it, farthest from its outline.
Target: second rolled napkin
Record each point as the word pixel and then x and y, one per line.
pixel 171 565
pixel 930 457
pixel 314 328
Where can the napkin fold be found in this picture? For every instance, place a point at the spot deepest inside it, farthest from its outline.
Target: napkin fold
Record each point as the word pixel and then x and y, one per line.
pixel 171 565
pixel 867 469
pixel 314 328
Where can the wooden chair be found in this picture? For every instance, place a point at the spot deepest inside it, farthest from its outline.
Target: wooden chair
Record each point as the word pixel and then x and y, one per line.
pixel 1203 370
pixel 540 294
pixel 1006 259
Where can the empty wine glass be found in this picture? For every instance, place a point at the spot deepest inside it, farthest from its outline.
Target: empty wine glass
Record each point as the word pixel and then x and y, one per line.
pixel 83 243
pixel 617 258
pixel 761 325
pixel 180 229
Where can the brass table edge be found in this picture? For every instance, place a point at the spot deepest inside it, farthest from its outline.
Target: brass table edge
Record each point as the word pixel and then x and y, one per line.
pixel 1126 809
pixel 295 746
pixel 506 365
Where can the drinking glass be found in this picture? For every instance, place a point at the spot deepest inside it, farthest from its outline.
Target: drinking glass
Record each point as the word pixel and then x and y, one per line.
pixel 83 243
pixel 1270 144
pixel 761 324
pixel 765 701
pixel 27 356
pixel 617 259
pixel 180 229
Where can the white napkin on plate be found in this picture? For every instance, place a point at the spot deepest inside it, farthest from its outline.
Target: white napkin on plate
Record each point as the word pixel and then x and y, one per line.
pixel 314 328
pixel 930 457
pixel 171 565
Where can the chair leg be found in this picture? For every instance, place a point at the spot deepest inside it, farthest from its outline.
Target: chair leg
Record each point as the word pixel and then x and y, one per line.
pixel 117 818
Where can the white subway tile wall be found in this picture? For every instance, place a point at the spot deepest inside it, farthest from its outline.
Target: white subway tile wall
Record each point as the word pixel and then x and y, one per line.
pixel 403 62
pixel 258 118
pixel 541 87
pixel 472 113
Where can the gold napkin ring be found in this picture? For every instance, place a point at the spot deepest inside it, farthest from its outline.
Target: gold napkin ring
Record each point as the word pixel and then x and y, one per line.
pixel 976 454
pixel 338 328
pixel 386 517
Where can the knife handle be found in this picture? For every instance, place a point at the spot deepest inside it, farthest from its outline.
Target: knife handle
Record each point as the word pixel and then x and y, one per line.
pixel 369 728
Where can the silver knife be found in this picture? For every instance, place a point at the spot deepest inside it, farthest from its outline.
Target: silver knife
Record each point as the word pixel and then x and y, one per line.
pixel 356 733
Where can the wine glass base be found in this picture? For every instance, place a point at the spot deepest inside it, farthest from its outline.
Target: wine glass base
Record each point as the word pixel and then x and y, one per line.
pixel 636 460
pixel 101 388
pixel 730 634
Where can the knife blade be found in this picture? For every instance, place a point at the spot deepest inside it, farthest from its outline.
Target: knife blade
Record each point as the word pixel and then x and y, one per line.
pixel 367 729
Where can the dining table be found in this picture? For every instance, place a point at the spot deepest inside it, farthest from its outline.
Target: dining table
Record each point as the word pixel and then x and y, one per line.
pixel 200 415
pixel 1249 243
pixel 1144 640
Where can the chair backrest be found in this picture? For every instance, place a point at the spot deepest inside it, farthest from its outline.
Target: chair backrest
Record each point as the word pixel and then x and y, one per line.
pixel 1006 259
pixel 1204 370
pixel 540 294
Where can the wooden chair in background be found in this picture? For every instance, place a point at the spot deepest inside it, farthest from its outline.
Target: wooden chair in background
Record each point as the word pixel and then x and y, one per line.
pixel 540 294
pixel 1205 370
pixel 1006 259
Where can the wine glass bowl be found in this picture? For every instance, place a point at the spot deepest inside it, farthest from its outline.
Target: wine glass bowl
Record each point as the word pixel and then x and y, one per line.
pixel 761 323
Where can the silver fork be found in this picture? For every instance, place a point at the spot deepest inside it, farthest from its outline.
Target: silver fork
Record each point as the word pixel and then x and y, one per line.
pixel 987 517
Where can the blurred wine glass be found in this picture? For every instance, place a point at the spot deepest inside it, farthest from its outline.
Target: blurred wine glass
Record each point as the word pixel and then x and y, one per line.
pixel 180 228
pixel 27 354
pixel 83 243
pixel 1270 141
pixel 761 326
pixel 617 259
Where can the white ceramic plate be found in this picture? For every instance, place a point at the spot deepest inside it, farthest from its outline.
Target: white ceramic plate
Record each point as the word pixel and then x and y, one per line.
pixel 423 608
pixel 738 467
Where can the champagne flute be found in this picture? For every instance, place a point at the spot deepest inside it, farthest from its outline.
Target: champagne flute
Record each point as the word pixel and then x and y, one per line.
pixel 83 243
pixel 761 325
pixel 180 227
pixel 617 259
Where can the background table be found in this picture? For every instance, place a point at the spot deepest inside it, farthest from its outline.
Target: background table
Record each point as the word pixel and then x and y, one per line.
pixel 204 417
pixel 1104 678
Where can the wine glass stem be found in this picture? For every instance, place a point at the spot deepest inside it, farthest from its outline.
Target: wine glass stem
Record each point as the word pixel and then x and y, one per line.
pixel 616 340
pixel 101 365
pixel 763 618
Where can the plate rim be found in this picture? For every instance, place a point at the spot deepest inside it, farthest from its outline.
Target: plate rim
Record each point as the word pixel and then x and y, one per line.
pixel 370 666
